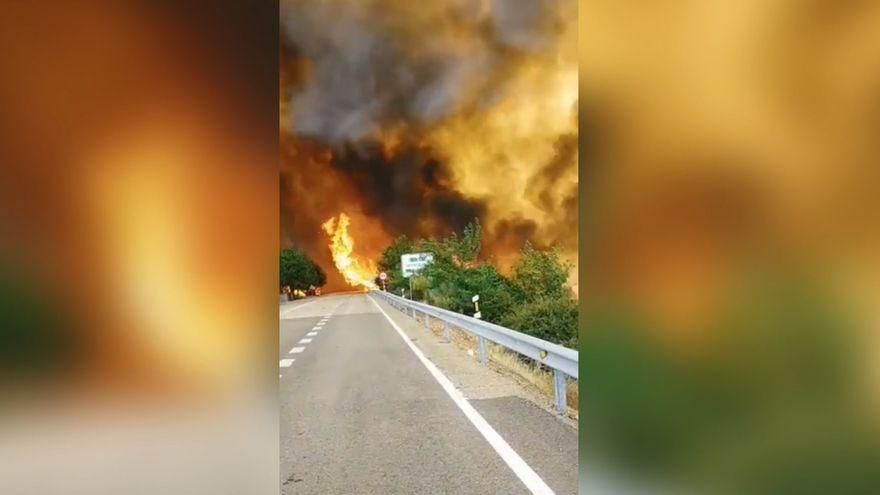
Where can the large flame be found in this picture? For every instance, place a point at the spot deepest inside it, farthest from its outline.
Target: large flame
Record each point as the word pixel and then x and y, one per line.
pixel 357 273
pixel 457 110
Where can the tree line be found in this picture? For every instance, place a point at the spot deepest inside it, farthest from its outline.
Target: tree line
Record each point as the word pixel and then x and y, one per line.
pixel 299 272
pixel 534 298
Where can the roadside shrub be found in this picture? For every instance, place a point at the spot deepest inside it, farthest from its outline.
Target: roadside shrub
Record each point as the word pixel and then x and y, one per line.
pixel 550 318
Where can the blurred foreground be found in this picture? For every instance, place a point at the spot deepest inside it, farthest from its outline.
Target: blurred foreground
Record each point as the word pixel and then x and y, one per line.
pixel 730 170
pixel 138 235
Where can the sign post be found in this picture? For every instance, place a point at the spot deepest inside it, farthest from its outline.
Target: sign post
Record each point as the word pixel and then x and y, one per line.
pixel 383 277
pixel 476 301
pixel 411 263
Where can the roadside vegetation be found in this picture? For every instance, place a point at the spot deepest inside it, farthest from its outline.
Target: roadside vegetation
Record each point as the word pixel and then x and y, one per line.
pixel 299 274
pixel 534 298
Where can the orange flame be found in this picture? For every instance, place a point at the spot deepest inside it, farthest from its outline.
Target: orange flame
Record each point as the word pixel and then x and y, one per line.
pixel 341 246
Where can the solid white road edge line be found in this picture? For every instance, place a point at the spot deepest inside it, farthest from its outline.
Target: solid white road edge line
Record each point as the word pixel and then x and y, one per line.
pixel 516 463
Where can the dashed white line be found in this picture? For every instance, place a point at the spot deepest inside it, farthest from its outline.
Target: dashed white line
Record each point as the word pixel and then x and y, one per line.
pixel 296 350
pixel 285 363
pixel 516 463
pixel 312 334
pixel 304 341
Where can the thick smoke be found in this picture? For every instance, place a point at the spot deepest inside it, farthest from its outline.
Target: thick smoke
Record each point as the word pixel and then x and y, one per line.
pixel 406 189
pixel 370 69
pixel 379 99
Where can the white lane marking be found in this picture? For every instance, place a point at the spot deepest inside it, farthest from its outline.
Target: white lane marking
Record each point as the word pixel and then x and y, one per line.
pixel 315 329
pixel 296 350
pixel 516 463
pixel 319 325
pixel 304 341
pixel 285 363
pixel 312 334
pixel 298 306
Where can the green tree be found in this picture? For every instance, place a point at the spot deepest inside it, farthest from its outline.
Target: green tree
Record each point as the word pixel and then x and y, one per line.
pixel 320 275
pixel 496 294
pixel 456 276
pixel 545 306
pixel 540 274
pixel 536 300
pixel 465 249
pixel 298 271
pixel 389 262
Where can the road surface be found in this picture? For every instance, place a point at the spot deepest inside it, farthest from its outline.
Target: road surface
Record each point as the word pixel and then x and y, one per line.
pixel 363 413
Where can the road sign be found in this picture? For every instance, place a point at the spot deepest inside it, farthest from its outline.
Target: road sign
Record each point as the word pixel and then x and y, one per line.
pixel 475 298
pixel 383 276
pixel 413 262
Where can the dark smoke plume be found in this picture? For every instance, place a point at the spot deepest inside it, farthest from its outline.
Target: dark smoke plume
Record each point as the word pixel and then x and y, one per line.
pixel 372 67
pixel 365 83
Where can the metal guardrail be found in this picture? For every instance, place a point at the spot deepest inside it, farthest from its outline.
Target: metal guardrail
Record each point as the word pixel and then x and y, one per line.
pixel 562 360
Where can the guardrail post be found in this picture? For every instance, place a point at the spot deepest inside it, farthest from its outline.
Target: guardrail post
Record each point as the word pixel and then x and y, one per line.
pixel 482 343
pixel 427 321
pixel 559 391
pixel 446 332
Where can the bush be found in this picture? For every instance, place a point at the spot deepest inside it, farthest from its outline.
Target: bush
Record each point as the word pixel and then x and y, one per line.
pixel 540 274
pixel 535 300
pixel 453 289
pixel 550 318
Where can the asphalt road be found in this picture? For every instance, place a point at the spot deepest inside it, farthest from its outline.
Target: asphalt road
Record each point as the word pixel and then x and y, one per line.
pixel 361 413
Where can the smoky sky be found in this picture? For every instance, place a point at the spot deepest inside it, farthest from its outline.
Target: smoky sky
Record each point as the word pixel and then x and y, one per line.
pixel 368 73
pixel 405 188
pixel 356 68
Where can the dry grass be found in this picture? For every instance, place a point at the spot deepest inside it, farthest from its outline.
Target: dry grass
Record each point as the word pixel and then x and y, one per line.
pixel 524 370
